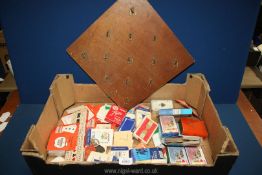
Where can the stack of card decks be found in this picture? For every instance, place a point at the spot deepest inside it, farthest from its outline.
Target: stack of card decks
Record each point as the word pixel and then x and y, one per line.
pixel 186 156
pixel 182 141
pixel 108 133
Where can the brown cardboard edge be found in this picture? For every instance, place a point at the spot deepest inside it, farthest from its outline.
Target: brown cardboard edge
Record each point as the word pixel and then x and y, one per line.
pixel 33 154
pixel 231 147
pixel 217 135
pixel 197 89
pixel 36 142
pixel 28 147
pixel 95 93
pixel 63 84
pixel 47 120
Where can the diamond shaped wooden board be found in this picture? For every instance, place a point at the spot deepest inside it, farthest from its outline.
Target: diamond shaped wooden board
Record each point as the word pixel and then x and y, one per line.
pixel 130 52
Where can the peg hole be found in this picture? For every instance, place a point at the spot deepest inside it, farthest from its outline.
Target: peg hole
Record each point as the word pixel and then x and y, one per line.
pixel 84 55
pixel 130 60
pixel 106 77
pixel 108 34
pixel 106 56
pixel 150 82
pixel 175 63
pixel 154 38
pixel 130 36
pixel 153 61
pixel 132 11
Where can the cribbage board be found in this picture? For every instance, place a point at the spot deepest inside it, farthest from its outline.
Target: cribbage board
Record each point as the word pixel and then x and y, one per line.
pixel 130 52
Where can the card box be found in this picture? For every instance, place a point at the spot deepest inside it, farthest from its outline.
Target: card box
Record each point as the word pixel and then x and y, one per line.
pixel 195 156
pixel 146 130
pixel 177 155
pixel 169 126
pixel 127 124
pixel 115 115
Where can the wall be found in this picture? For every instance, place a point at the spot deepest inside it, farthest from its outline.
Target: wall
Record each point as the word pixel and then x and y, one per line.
pixel 217 34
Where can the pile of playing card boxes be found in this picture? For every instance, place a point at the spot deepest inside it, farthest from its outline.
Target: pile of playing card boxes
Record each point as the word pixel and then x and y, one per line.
pixel 177 127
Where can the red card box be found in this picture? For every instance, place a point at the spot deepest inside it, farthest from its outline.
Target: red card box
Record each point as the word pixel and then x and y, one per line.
pixel 146 130
pixel 62 140
pixel 115 115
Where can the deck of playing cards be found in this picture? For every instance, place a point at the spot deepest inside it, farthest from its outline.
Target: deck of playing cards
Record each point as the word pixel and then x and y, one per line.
pixel 157 138
pixel 99 157
pixel 169 127
pixel 119 152
pixel 147 155
pixel 115 115
pixel 140 115
pixel 156 105
pixel 195 156
pixel 127 124
pixel 177 155
pixel 103 137
pixel 145 130
pixel 62 138
pixel 123 138
pixel 102 112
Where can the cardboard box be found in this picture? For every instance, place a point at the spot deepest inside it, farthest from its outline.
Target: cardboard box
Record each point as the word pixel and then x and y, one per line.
pixel 219 148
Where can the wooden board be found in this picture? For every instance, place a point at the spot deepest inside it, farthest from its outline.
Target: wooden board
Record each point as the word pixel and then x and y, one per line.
pixel 250 79
pixel 130 52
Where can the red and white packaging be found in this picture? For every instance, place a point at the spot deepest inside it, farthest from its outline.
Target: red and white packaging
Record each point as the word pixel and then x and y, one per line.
pixel 115 115
pixel 145 130
pixel 63 138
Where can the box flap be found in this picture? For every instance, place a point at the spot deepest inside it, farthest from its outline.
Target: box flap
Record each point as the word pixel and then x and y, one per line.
pixel 35 142
pixel 197 89
pixel 62 91
pixel 130 52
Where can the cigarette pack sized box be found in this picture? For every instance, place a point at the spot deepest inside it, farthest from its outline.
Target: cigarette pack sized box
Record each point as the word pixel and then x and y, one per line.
pixel 123 138
pixel 119 152
pixel 103 137
pixel 146 130
pixel 62 138
pixel 195 156
pixel 169 126
pixel 102 112
pixel 147 155
pixel 127 124
pixel 99 157
pixel 115 115
pixel 176 112
pixel 177 155
pixel 156 105
pixel 140 115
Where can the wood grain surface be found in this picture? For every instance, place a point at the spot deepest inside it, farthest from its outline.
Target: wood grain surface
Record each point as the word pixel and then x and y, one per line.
pixel 130 52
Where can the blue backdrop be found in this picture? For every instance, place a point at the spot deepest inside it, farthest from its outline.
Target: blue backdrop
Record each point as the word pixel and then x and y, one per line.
pixel 216 33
